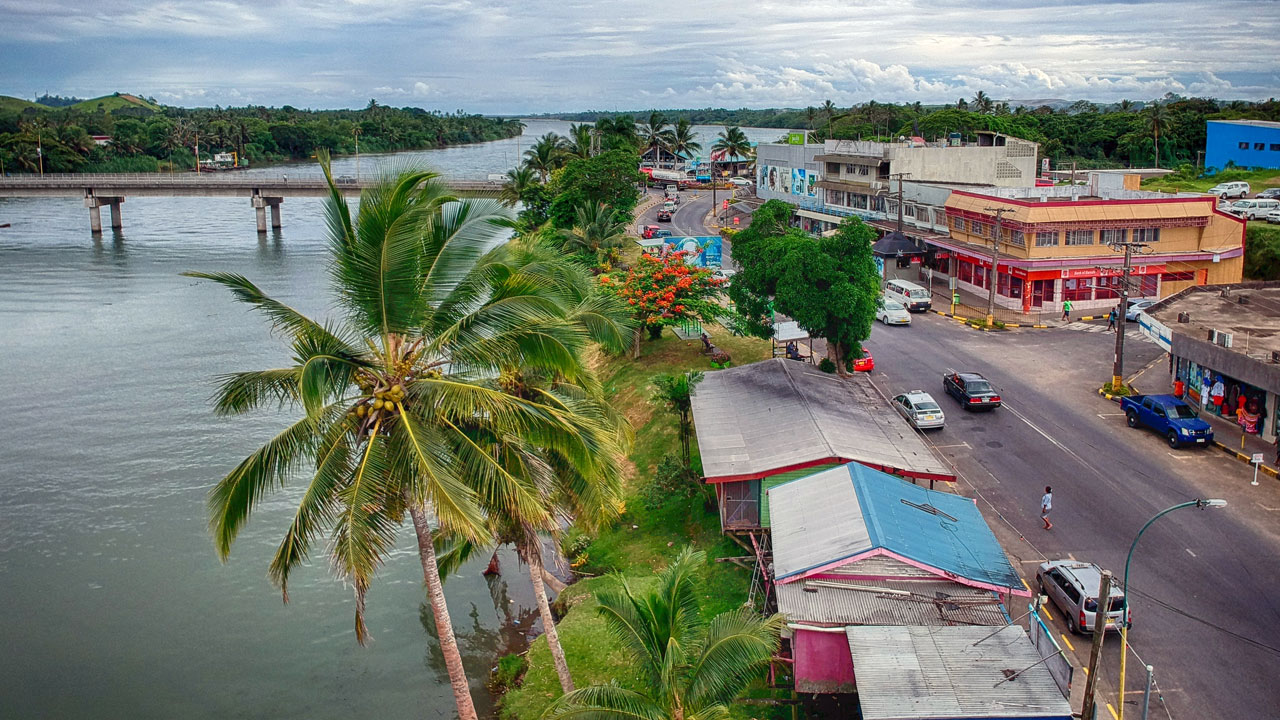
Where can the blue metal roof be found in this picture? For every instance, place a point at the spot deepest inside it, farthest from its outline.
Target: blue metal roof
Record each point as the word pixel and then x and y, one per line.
pixel 826 517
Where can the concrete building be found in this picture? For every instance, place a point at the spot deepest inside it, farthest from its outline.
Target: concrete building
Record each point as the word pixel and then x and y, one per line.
pixel 1055 243
pixel 1243 143
pixel 1230 332
pixel 790 173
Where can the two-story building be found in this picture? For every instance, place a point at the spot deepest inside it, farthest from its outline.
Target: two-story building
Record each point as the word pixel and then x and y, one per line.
pixel 1242 143
pixel 1056 243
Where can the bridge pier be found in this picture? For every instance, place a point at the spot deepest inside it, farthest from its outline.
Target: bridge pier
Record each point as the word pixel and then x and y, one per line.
pixel 260 204
pixel 95 203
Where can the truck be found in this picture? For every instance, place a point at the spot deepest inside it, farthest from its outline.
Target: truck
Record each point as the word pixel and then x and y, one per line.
pixel 1169 416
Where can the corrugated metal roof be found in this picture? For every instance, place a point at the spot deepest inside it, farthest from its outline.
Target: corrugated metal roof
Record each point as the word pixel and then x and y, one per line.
pixel 832 515
pixel 889 602
pixel 777 415
pixel 916 673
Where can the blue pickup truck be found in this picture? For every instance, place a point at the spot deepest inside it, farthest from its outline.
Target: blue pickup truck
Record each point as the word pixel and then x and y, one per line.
pixel 1168 416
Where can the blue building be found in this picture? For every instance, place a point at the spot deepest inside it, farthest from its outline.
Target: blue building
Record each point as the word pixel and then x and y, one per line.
pixel 1244 143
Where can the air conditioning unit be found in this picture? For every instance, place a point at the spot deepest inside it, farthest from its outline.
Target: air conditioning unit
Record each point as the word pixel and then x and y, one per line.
pixel 1275 356
pixel 1184 317
pixel 1212 336
pixel 1224 339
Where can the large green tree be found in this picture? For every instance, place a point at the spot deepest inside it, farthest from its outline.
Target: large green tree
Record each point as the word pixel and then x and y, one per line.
pixel 598 231
pixel 612 178
pixel 828 285
pixel 396 392
pixel 692 669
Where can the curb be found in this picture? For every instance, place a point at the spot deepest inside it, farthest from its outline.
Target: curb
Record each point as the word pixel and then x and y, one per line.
pixel 1116 398
pixel 962 319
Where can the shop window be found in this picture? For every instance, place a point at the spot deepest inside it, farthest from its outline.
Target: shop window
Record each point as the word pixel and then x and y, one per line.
pixel 966 271
pixel 1146 235
pixel 1079 237
pixel 1047 239
pixel 1009 286
pixel 1077 289
pixel 1179 276
pixel 1110 237
pixel 1147 286
pixel 1108 288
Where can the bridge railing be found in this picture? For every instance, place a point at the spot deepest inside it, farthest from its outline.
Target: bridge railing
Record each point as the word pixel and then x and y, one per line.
pixel 235 179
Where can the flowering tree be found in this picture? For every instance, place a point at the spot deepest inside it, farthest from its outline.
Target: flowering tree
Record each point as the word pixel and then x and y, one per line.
pixel 665 291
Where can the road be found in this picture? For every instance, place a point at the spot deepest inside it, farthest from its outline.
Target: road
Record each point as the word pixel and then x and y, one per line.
pixel 1207 568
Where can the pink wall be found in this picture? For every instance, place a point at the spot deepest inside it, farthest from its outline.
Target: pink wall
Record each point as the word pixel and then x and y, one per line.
pixel 823 662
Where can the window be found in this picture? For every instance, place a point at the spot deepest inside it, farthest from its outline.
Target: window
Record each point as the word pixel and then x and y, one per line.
pixel 909 211
pixel 1178 276
pixel 864 170
pixel 959 224
pixel 1077 289
pixel 1079 237
pixel 980 229
pixel 1147 287
pixel 848 169
pixel 1275 147
pixel 1259 146
pixel 1244 146
pixel 965 271
pixel 859 201
pixel 1014 237
pixel 1146 235
pixel 1108 288
pixel 1047 239
pixel 1108 237
pixel 1009 286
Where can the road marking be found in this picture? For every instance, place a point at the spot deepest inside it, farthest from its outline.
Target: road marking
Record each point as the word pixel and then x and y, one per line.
pixel 1085 669
pixel 1267 507
pixel 1112 711
pixel 963 445
pixel 1177 456
pixel 1107 415
pixel 1190 553
pixel 1045 435
pixel 1024 584
pixel 1045 610
pixel 1070 647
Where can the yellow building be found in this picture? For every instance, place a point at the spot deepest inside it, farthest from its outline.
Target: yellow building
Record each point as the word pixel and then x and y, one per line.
pixel 1056 244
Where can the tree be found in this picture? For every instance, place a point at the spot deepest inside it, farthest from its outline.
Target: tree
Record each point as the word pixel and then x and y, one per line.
pixel 655 135
pixel 611 178
pixel 691 670
pixel 982 103
pixel 546 154
pixel 676 392
pixel 394 393
pixel 597 231
pixel 1156 116
pixel 829 286
pixel 731 143
pixel 516 187
pixel 665 291
pixel 580 141
pixel 618 132
pixel 683 141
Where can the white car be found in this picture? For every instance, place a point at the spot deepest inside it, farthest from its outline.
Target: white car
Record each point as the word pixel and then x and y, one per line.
pixel 740 181
pixel 1273 217
pixel 1235 189
pixel 920 409
pixel 892 312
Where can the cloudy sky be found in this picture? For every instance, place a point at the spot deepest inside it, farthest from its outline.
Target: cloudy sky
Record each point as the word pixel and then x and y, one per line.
pixel 543 56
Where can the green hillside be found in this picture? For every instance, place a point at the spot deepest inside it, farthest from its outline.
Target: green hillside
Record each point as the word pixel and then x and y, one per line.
pixel 111 103
pixel 13 104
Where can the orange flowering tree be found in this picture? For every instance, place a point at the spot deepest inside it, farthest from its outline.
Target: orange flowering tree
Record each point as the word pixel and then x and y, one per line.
pixel 665 291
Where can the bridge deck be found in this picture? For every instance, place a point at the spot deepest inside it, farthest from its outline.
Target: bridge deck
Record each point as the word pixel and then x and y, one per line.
pixel 217 184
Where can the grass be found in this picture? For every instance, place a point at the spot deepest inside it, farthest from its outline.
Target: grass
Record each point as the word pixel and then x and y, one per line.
pixel 1180 182
pixel 111 103
pixel 13 104
pixel 643 539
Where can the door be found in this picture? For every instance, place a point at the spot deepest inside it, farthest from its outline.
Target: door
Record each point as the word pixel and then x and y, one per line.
pixel 1041 290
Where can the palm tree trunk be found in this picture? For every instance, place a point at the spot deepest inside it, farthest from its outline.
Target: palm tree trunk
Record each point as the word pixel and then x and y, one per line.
pixel 532 553
pixel 1157 134
pixel 444 626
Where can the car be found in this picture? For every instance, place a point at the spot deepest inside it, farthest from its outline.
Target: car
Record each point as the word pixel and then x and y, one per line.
pixel 1169 416
pixel 346 180
pixel 662 233
pixel 740 181
pixel 866 363
pixel 892 312
pixel 1073 586
pixel 972 390
pixel 650 231
pixel 1273 217
pixel 1235 189
pixel 1253 209
pixel 920 409
pixel 664 216
pixel 1269 194
pixel 1136 307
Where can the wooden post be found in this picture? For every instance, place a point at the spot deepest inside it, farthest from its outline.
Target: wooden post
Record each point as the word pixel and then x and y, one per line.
pixel 1099 633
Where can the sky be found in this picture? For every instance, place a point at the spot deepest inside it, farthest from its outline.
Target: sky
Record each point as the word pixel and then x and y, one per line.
pixel 531 56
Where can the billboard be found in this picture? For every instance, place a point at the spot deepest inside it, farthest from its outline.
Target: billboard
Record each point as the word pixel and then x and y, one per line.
pixel 795 138
pixel 797 181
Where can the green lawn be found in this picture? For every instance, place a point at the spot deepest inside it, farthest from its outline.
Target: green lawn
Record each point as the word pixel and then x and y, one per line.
pixel 13 104
pixel 643 539
pixel 1257 179
pixel 111 103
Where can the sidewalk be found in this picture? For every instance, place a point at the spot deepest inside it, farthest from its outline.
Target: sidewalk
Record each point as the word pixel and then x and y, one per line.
pixel 973 305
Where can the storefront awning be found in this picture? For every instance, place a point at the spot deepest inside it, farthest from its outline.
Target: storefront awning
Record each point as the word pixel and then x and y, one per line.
pixel 813 215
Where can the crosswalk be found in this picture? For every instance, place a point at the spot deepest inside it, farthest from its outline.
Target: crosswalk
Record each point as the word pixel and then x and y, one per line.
pixel 1131 331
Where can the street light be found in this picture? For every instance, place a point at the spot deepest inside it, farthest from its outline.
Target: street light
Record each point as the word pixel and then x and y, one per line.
pixel 1128 592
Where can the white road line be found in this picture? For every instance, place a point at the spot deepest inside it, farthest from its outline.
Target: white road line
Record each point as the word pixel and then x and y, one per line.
pixel 1190 553
pixel 963 445
pixel 1107 415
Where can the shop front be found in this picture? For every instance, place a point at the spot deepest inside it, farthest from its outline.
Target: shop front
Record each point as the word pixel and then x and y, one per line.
pixel 1252 408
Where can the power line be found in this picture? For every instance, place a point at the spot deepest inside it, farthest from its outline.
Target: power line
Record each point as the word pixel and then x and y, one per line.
pixel 1256 643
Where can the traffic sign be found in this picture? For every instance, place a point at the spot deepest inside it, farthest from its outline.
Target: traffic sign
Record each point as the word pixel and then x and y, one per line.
pixel 1257 459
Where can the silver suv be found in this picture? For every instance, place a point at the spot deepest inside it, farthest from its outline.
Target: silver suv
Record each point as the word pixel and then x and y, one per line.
pixel 1073 587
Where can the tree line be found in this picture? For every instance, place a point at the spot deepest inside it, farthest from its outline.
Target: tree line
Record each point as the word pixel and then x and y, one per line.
pixel 1165 132
pixel 60 139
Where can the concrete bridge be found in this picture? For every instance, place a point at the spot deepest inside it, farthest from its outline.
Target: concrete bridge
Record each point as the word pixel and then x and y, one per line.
pixel 263 191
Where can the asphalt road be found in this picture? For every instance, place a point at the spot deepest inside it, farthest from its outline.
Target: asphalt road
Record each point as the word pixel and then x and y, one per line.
pixel 687 219
pixel 1207 568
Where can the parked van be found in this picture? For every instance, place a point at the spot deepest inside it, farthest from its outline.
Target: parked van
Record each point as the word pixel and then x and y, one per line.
pixel 669 206
pixel 673 191
pixel 1235 189
pixel 913 297
pixel 1253 209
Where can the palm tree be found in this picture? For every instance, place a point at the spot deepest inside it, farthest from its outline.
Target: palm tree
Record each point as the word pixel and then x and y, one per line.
pixel 810 113
pixel 580 141
pixel 730 143
pixel 618 131
pixel 1125 106
pixel 545 155
pixel 829 109
pixel 597 230
pixel 982 103
pixel 1156 118
pixel 656 135
pixel 683 141
pixel 676 392
pixel 519 181
pixel 691 670
pixel 394 393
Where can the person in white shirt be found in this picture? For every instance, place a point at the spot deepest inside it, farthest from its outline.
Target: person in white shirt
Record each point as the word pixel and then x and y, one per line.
pixel 1046 504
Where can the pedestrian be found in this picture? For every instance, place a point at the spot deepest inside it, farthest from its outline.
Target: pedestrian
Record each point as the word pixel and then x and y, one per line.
pixel 1111 319
pixel 1046 504
pixel 1216 394
pixel 1066 310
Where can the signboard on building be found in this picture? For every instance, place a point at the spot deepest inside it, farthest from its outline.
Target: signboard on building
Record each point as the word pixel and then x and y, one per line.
pixel 1156 330
pixel 795 138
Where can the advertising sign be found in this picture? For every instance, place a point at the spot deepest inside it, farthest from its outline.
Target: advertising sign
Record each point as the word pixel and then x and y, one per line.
pixel 795 138
pixel 797 181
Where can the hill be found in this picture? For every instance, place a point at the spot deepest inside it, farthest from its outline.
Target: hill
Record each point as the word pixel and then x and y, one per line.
pixel 116 101
pixel 13 104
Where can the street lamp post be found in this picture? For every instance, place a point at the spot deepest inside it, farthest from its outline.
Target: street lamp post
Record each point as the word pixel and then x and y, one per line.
pixel 1128 592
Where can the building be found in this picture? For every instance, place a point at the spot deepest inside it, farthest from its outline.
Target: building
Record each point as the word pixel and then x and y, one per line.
pixel 1242 143
pixel 790 172
pixel 1230 332
pixel 1056 243
pixel 762 424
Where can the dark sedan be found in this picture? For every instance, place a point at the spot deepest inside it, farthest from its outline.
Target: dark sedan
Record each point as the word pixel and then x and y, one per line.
pixel 971 389
pixel 664 216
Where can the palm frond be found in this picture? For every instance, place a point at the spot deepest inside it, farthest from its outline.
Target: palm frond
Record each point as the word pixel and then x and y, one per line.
pixel 604 702
pixel 737 645
pixel 434 478
pixel 242 392
pixel 283 318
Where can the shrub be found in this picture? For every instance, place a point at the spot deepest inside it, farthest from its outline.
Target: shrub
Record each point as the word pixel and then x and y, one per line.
pixel 670 479
pixel 720 359
pixel 1121 391
pixel 826 366
pixel 508 673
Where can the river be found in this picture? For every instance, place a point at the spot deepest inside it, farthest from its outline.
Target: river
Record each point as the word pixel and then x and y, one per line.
pixel 115 602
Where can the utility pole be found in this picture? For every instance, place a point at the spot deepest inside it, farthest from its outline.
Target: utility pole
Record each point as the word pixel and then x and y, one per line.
pixel 898 177
pixel 1127 247
pixel 1099 631
pixel 355 132
pixel 995 258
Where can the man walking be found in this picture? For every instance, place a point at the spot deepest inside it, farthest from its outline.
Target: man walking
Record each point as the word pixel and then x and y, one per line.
pixel 1111 318
pixel 1066 310
pixel 1046 504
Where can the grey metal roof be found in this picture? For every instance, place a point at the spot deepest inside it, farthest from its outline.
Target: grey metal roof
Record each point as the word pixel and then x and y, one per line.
pixel 889 602
pixel 779 414
pixel 914 673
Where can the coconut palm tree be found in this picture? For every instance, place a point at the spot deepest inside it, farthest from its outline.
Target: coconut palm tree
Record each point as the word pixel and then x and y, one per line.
pixel 691 670
pixel 982 103
pixel 580 141
pixel 829 109
pixel 656 135
pixel 395 392
pixel 618 131
pixel 519 181
pixel 546 154
pixel 597 230
pixel 1156 117
pixel 683 141
pixel 675 390
pixel 732 142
